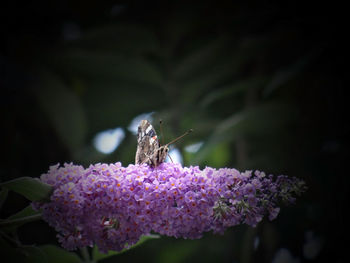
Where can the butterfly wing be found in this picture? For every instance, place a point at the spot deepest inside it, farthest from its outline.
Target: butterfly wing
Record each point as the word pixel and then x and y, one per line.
pixel 147 143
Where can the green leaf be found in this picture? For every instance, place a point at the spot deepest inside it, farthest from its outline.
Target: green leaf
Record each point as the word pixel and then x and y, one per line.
pixel 178 251
pixel 97 255
pixel 33 254
pixel 24 216
pixel 102 66
pixel 63 109
pixel 262 120
pixel 200 57
pixel 219 156
pixel 209 78
pixel 283 76
pixel 31 188
pixel 3 196
pixel 232 90
pixel 56 254
pixel 123 38
pixel 27 211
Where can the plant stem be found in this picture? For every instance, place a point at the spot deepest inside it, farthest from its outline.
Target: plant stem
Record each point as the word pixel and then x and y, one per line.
pixel 85 255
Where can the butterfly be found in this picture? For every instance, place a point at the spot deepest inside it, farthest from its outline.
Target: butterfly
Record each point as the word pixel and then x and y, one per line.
pixel 149 150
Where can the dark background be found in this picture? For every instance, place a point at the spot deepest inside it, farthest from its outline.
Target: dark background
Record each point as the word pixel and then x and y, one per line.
pixel 262 85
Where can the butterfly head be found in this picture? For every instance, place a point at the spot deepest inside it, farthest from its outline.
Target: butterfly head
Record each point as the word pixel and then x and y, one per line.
pixel 162 153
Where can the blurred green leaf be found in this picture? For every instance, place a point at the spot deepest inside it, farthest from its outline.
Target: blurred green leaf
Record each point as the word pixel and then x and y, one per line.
pixel 260 120
pixel 281 77
pixel 177 28
pixel 200 57
pixel 56 254
pixel 63 109
pixel 33 254
pixel 205 77
pixel 27 211
pixel 232 90
pixel 3 196
pixel 31 188
pixel 209 79
pixel 107 65
pixel 121 38
pixel 219 155
pixel 97 255
pixel 24 216
pixel 178 252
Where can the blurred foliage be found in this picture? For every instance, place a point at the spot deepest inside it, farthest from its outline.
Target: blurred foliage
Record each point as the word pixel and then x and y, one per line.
pixel 262 86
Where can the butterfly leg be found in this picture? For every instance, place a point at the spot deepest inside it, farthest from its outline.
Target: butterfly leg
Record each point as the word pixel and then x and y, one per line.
pixel 171 159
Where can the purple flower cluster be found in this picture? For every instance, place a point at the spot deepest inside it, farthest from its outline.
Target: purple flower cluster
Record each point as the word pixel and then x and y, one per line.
pixel 112 206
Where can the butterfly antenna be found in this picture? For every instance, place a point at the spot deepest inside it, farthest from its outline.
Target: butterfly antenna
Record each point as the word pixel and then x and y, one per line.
pixel 178 138
pixel 161 130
